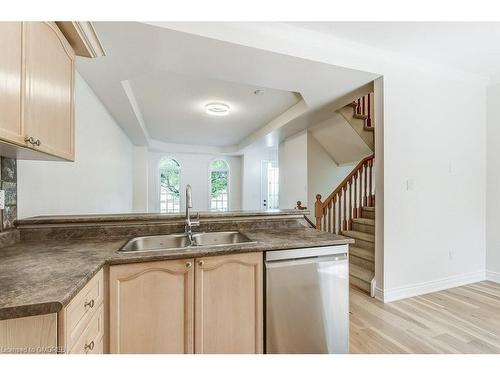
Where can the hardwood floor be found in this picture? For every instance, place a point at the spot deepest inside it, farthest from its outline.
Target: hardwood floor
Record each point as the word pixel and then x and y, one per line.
pixel 458 320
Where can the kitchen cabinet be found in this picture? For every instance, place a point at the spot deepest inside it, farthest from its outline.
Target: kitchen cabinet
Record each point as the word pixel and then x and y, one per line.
pixel 29 335
pixel 49 95
pixel 81 324
pixel 228 304
pixel 151 307
pixel 203 305
pixel 37 68
pixel 11 82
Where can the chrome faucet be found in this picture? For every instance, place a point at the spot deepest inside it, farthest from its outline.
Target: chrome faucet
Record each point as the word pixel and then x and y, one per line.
pixel 188 227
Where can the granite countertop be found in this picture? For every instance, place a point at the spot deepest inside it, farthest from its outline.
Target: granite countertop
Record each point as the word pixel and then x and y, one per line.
pixel 40 277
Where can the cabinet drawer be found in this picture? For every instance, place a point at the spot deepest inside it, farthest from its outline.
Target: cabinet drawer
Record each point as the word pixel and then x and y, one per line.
pixel 90 342
pixel 82 308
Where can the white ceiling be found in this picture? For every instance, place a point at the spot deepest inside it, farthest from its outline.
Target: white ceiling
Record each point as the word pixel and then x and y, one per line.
pixel 468 46
pixel 150 74
pixel 173 107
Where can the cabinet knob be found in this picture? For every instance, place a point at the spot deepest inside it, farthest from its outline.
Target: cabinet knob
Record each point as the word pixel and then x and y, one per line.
pixel 188 264
pixel 89 303
pixel 200 263
pixel 89 346
pixel 37 142
pixel 29 140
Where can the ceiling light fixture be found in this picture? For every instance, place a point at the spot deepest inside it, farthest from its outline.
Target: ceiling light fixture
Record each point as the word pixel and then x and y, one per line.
pixel 217 109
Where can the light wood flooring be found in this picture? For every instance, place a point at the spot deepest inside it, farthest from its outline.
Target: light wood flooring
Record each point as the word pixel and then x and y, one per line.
pixel 458 320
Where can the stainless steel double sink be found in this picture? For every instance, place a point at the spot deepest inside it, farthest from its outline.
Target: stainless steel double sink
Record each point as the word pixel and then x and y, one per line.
pixel 181 241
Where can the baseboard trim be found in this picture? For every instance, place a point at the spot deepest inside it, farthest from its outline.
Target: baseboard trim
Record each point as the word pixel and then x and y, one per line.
pixel 379 294
pixel 493 276
pixel 430 286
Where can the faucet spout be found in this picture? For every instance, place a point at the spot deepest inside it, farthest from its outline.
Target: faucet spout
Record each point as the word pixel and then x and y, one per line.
pixel 189 224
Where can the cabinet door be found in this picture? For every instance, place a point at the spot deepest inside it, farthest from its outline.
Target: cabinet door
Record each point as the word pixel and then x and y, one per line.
pixel 151 307
pixel 10 82
pixel 49 97
pixel 228 304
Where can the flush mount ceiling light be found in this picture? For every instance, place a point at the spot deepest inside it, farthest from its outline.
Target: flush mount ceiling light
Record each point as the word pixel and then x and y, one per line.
pixel 217 109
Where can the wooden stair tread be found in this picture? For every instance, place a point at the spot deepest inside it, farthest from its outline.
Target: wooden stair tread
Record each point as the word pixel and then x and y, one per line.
pixel 366 208
pixel 359 235
pixel 362 253
pixel 361 273
pixel 364 221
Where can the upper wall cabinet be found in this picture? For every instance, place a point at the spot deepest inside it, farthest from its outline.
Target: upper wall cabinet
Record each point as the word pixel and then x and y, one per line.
pixel 49 90
pixel 11 59
pixel 37 86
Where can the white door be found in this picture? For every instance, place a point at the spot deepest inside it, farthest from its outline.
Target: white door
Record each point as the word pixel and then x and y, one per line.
pixel 270 185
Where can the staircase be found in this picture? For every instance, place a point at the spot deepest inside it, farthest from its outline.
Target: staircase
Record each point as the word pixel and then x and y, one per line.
pixel 362 252
pixel 350 209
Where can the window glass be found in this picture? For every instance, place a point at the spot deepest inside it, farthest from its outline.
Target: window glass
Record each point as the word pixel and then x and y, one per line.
pixel 170 186
pixel 219 185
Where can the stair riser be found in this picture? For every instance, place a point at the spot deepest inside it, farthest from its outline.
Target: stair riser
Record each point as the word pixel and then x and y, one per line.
pixel 363 228
pixel 360 284
pixel 364 244
pixel 367 255
pixel 363 263
pixel 368 214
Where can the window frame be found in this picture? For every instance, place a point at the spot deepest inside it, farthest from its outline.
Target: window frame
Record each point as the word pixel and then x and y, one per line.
pixel 158 176
pixel 210 170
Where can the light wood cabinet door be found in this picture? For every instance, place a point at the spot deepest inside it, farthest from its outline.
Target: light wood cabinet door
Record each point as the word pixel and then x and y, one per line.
pixel 49 89
pixel 151 307
pixel 228 304
pixel 11 82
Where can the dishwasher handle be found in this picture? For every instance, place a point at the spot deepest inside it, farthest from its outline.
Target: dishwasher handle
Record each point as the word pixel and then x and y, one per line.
pixel 310 260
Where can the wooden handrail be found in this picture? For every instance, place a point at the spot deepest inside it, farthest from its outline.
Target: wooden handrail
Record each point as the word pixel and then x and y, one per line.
pixel 336 202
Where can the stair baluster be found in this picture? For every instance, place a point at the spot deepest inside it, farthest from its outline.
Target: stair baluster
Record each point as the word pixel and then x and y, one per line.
pixel 369 113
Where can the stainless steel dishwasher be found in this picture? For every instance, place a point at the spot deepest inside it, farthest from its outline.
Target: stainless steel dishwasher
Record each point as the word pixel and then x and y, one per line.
pixel 307 300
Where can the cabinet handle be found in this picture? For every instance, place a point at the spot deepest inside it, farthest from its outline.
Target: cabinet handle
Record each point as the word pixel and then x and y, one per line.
pixel 29 140
pixel 89 346
pixel 90 303
pixel 37 143
pixel 200 263
pixel 188 264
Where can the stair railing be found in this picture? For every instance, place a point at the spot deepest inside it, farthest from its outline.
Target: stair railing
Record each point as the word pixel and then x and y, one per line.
pixel 363 109
pixel 335 214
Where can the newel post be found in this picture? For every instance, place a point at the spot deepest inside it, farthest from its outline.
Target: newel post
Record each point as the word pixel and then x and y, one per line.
pixel 318 210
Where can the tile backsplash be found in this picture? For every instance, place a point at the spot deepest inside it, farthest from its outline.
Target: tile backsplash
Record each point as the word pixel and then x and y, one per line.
pixel 8 180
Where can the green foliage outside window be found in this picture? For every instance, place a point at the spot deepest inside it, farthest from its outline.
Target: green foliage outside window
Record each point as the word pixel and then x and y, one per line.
pixel 170 176
pixel 219 177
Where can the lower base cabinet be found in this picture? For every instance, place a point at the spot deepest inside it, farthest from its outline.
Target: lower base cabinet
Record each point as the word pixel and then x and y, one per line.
pixel 203 305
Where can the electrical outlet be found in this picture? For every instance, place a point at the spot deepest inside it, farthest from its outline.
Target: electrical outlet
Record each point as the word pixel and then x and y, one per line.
pixel 2 199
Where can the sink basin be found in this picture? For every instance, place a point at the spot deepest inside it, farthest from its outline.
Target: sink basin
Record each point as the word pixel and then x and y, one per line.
pixel 219 238
pixel 181 241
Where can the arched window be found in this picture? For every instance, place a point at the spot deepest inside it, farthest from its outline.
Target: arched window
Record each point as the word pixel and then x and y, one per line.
pixel 170 186
pixel 219 185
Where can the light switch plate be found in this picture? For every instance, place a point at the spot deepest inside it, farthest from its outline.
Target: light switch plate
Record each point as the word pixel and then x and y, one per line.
pixel 2 199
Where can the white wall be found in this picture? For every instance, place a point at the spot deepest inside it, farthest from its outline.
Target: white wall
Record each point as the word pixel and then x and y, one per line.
pixel 293 171
pixel 493 185
pixel 434 134
pixel 323 174
pixel 140 174
pixel 194 171
pixel 100 179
